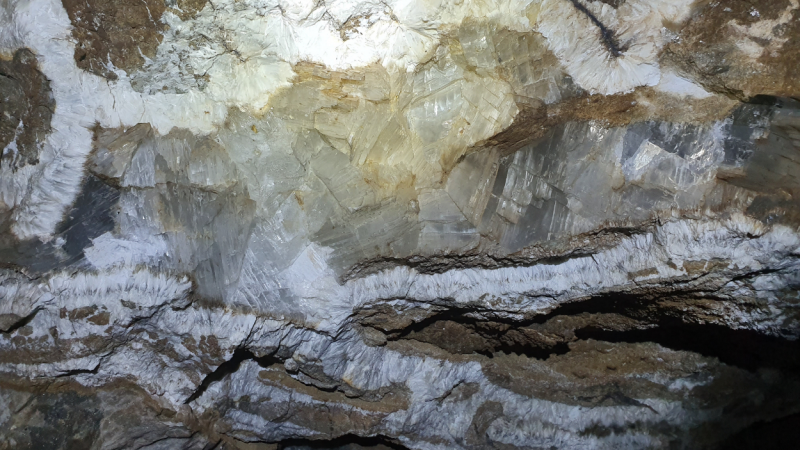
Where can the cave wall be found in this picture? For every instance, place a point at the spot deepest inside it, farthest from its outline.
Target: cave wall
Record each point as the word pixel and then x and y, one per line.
pixel 433 224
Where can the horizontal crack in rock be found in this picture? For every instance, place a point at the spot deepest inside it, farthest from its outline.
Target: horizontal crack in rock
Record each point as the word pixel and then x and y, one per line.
pixel 746 349
pixel 671 320
pixel 348 441
pixel 21 322
pixel 228 367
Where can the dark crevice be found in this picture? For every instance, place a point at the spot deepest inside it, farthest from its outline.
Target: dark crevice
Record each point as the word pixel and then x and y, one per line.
pixel 779 434
pixel 749 275
pixel 745 349
pixel 669 326
pixel 72 373
pixel 493 334
pixel 23 321
pixel 454 314
pixel 767 100
pixel 607 303
pixel 626 304
pixel 541 353
pixel 346 442
pixel 606 35
pixel 228 367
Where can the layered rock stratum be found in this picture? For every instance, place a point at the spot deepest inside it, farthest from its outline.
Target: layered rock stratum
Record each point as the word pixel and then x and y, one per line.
pixel 408 224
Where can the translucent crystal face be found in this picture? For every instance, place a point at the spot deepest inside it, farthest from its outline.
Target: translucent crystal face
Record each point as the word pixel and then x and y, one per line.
pixel 252 198
pixel 370 159
pixel 379 132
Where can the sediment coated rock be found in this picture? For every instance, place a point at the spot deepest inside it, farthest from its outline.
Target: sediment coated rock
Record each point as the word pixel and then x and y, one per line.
pixel 26 108
pixel 429 225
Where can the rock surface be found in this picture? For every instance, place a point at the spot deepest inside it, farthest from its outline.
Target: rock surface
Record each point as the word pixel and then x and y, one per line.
pixel 424 225
pixel 26 109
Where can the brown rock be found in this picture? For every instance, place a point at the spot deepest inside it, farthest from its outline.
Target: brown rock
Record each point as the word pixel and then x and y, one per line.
pixel 26 108
pixel 741 48
pixel 115 33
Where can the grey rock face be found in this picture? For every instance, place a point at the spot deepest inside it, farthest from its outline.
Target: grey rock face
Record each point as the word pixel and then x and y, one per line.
pixel 515 226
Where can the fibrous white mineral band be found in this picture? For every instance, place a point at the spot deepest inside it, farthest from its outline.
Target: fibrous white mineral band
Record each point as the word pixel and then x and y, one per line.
pixel 319 335
pixel 636 28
